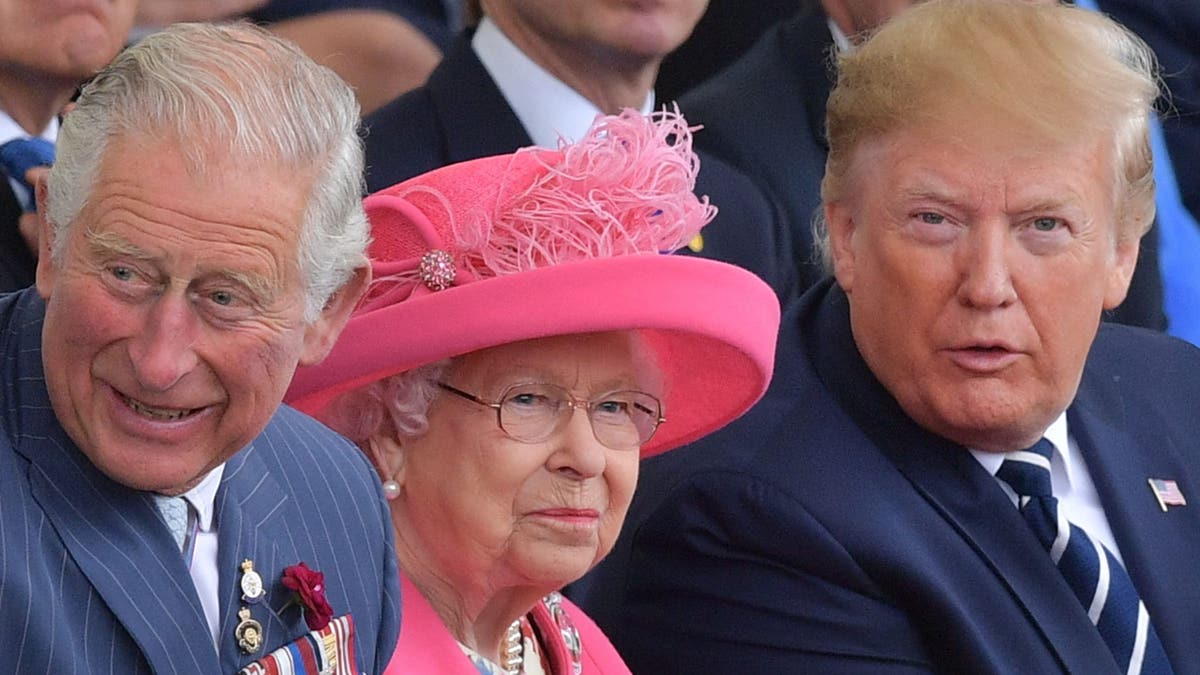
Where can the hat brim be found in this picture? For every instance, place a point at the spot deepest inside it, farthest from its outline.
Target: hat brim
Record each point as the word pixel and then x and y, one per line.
pixel 711 326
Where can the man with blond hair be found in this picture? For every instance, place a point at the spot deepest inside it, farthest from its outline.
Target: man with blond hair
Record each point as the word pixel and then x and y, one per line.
pixel 959 468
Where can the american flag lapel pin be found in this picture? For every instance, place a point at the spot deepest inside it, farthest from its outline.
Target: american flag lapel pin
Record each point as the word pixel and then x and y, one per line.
pixel 1167 493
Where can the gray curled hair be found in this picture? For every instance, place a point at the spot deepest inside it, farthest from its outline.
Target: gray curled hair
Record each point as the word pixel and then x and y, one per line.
pixel 395 407
pixel 232 92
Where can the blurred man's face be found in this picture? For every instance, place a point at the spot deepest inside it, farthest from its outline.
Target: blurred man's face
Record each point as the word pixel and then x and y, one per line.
pixel 977 265
pixel 175 316
pixel 609 31
pixel 62 40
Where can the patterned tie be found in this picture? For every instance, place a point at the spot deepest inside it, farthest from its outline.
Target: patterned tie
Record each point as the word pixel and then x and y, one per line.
pixel 1093 573
pixel 180 519
pixel 22 154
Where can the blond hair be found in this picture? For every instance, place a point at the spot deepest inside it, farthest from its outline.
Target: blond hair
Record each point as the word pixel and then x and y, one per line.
pixel 1059 73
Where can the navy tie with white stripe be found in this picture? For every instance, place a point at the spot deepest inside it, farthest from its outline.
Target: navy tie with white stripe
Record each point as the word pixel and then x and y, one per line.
pixel 1090 569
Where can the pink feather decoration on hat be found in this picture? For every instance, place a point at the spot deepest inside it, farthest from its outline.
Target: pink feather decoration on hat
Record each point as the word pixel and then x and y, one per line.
pixel 624 188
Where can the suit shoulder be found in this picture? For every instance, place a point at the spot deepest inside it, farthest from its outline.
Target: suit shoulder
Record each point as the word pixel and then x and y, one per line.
pixel 402 139
pixel 291 435
pixel 1139 354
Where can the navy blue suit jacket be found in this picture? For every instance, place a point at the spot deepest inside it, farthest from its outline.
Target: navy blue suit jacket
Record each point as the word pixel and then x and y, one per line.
pixel 17 264
pixel 826 532
pixel 91 580
pixel 1171 28
pixel 765 115
pixel 460 114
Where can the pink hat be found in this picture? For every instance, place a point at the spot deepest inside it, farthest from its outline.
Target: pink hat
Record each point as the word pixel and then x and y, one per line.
pixel 541 243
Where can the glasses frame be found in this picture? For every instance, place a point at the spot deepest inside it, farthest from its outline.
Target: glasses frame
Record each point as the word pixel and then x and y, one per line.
pixel 574 403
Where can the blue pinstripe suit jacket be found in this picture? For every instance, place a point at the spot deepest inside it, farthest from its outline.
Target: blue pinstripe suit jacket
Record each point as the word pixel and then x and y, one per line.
pixel 91 581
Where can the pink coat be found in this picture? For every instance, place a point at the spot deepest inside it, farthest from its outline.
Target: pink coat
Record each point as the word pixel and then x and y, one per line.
pixel 426 646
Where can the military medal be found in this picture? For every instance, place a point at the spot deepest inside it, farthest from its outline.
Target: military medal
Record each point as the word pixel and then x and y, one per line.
pixel 252 585
pixel 249 633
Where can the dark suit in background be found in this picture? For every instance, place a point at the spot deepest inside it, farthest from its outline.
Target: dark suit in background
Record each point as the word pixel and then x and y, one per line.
pixel 825 532
pixel 92 581
pixel 765 114
pixel 461 114
pixel 1171 29
pixel 726 31
pixel 17 264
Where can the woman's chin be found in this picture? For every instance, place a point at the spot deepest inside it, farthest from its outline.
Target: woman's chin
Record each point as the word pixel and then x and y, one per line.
pixel 551 568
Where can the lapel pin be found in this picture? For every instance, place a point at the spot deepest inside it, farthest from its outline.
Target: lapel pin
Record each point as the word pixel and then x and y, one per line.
pixel 251 583
pixel 1167 493
pixel 248 632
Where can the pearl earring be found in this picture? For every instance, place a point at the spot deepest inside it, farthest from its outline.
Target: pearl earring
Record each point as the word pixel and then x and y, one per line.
pixel 391 489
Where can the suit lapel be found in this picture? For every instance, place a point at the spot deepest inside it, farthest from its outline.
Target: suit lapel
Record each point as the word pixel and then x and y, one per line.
pixel 959 489
pixel 1160 549
pixel 113 534
pixel 252 512
pixel 476 121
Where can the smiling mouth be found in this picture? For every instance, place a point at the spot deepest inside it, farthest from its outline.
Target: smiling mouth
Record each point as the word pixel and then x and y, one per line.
pixel 159 414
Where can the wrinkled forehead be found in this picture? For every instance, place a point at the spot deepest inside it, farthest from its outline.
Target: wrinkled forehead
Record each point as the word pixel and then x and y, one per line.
pixel 967 163
pixel 963 133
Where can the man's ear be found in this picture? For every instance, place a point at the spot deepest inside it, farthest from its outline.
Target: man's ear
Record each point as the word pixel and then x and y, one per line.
pixel 839 224
pixel 320 335
pixel 1121 272
pixel 47 269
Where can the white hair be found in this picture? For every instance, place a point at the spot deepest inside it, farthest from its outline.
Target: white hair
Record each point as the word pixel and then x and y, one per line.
pixel 396 406
pixel 228 91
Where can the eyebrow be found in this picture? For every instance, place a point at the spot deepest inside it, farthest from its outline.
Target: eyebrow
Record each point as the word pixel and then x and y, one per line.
pixel 109 245
pixel 933 190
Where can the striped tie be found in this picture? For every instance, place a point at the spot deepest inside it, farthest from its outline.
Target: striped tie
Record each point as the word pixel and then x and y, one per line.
pixel 1093 573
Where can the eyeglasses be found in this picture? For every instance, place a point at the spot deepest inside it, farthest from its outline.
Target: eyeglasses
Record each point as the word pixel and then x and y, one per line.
pixel 533 412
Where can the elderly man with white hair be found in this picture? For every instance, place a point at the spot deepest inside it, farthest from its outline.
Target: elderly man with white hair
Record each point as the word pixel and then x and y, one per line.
pixel 201 235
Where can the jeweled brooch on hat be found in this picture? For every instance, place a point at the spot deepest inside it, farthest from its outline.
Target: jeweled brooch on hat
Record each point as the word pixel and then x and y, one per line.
pixel 437 270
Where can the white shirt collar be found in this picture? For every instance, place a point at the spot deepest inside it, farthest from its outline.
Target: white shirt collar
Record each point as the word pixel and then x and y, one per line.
pixel 546 106
pixel 9 129
pixel 203 496
pixel 1056 433
pixel 840 40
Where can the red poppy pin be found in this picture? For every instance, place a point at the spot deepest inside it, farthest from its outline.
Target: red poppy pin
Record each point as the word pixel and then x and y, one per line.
pixel 309 586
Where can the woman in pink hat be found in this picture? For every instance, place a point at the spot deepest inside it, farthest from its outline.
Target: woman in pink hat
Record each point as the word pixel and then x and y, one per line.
pixel 524 343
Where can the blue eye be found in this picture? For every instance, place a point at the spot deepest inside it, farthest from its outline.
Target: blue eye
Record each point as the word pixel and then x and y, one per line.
pixel 527 399
pixel 612 407
pixel 121 273
pixel 931 218
pixel 1046 224
pixel 223 298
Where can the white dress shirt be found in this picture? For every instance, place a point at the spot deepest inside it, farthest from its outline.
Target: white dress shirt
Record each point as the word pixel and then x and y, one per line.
pixel 10 130
pixel 1070 481
pixel 205 574
pixel 546 106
